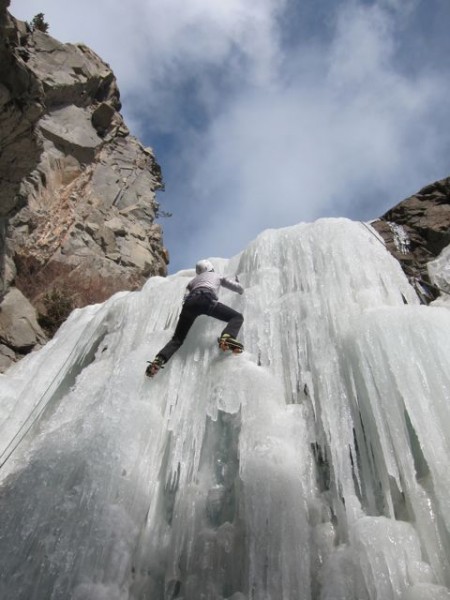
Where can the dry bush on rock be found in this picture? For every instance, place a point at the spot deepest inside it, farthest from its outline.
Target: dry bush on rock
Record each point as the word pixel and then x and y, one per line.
pixel 56 289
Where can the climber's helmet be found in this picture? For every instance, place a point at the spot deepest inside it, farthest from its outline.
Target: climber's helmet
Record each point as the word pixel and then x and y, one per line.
pixel 203 266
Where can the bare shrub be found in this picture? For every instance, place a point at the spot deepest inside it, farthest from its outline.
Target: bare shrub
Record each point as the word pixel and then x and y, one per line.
pixel 35 278
pixel 55 288
pixel 93 289
pixel 58 306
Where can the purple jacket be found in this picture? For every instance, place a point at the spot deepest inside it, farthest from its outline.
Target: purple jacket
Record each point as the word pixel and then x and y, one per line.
pixel 211 282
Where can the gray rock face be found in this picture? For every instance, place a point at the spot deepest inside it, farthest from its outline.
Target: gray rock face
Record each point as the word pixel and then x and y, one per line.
pixel 70 73
pixel 20 331
pixel 21 106
pixel 7 357
pixel 77 189
pixel 70 130
pixel 417 230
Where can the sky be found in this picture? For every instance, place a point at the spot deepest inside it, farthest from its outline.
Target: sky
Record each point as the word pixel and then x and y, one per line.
pixel 266 113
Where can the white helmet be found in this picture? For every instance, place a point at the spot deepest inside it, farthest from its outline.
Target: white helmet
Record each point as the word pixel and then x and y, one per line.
pixel 203 266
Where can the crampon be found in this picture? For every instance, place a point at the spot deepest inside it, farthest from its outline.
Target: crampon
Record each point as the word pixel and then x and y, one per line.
pixel 226 342
pixel 154 366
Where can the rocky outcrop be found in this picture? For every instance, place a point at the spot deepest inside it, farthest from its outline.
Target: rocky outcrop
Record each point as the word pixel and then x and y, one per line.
pixel 21 332
pixel 417 230
pixel 77 189
pixel 21 106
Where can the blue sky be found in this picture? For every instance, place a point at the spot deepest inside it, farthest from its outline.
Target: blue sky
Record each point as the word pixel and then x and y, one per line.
pixel 265 113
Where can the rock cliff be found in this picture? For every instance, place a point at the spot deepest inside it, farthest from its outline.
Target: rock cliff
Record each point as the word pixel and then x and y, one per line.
pixel 77 201
pixel 416 231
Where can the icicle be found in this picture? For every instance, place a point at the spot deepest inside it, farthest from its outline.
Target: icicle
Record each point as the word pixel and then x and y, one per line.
pixel 312 466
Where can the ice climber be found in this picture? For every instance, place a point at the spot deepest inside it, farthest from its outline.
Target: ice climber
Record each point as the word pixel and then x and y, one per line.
pixel 201 298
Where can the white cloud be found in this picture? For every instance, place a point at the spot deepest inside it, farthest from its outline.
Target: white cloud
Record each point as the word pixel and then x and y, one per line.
pixel 351 129
pixel 154 46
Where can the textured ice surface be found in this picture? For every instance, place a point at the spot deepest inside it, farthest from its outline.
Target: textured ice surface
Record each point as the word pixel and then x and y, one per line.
pixel 401 239
pixel 439 271
pixel 312 467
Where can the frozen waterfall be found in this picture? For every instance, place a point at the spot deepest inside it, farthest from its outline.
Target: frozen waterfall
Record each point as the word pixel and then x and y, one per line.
pixel 315 466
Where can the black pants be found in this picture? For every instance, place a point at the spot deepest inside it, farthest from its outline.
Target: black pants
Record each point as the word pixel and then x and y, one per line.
pixel 201 303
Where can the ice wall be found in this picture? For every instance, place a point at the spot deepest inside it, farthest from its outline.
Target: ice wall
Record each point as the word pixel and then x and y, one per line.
pixel 313 466
pixel 439 272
